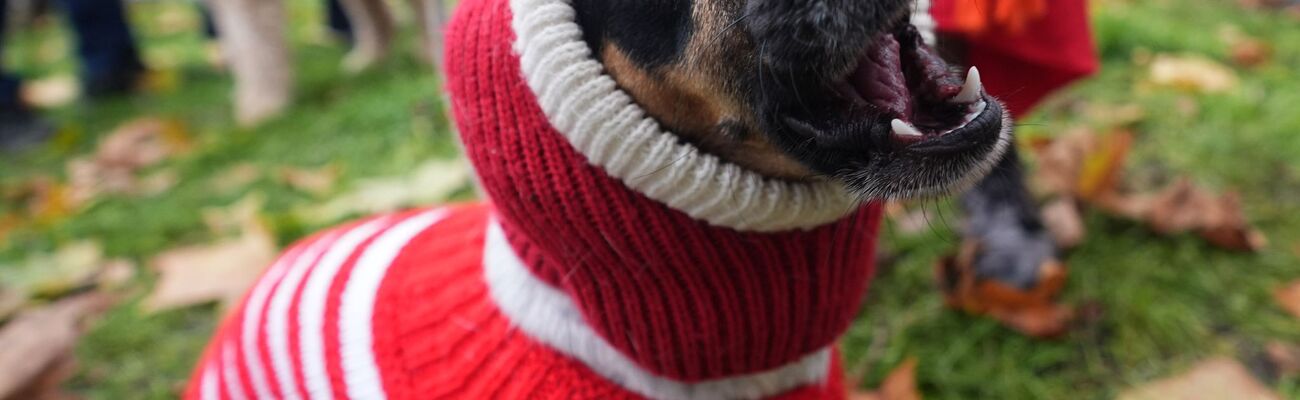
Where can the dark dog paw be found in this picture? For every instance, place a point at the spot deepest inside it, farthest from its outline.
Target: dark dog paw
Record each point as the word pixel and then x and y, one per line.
pixel 1011 276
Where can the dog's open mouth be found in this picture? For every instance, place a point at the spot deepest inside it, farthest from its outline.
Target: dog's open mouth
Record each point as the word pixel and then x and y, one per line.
pixel 913 88
pixel 901 123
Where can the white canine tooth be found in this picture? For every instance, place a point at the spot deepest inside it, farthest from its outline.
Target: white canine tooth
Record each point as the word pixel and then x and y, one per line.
pixel 904 129
pixel 973 88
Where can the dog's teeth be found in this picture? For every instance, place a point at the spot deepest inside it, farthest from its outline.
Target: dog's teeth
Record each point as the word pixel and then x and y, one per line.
pixel 904 129
pixel 973 88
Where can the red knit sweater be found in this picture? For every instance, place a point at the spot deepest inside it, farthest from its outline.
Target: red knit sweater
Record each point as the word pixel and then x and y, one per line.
pixel 675 276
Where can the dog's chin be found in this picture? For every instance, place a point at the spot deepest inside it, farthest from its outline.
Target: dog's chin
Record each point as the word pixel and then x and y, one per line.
pixel 904 174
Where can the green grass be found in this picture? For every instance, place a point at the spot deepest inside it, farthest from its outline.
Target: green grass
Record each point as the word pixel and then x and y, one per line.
pixel 1165 302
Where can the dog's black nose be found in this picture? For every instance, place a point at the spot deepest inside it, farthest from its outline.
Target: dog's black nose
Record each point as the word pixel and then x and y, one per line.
pixel 818 36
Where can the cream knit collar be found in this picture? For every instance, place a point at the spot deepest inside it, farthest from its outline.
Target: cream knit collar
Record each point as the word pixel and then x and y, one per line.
pixel 603 123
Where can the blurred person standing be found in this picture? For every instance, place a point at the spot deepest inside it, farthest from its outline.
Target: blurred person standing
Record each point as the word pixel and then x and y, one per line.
pixel 110 64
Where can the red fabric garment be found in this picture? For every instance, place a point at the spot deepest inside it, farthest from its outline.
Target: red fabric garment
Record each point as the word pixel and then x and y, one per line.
pixel 1024 67
pixel 681 298
pixel 437 334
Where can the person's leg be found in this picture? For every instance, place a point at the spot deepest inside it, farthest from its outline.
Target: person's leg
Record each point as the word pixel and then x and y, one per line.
pixel 19 126
pixel 110 61
pixel 338 21
pixel 8 82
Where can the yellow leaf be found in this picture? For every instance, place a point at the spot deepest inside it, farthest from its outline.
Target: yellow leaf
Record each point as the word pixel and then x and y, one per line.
pixel 1192 73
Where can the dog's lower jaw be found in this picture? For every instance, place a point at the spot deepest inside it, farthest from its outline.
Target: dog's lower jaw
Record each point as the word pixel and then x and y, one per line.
pixel 960 175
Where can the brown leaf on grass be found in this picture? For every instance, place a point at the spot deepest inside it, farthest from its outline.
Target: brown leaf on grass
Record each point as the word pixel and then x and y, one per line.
pixel 69 268
pixel 235 178
pixel 1083 164
pixel 8 223
pixel 143 142
pixel 43 199
pixel 220 271
pixel 1243 49
pixel 1183 207
pixel 133 146
pixel 315 181
pixel 1063 220
pixel 236 217
pixel 51 92
pixel 428 183
pixel 1033 312
pixel 11 300
pixel 1088 168
pixel 36 345
pixel 1289 298
pixel 1285 357
pixel 900 384
pixel 1213 379
pixel 1192 73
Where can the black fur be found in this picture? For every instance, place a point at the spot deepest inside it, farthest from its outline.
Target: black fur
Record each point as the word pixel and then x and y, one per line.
pixel 790 50
pixel 819 37
pixel 653 33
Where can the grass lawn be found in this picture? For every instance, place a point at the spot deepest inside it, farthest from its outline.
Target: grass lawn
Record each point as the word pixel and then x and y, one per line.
pixel 1164 302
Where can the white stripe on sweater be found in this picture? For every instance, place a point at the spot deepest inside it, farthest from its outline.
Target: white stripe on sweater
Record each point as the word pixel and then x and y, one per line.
pixel 604 124
pixel 230 372
pixel 311 315
pixel 277 318
pixel 357 305
pixel 549 316
pixel 208 389
pixel 252 323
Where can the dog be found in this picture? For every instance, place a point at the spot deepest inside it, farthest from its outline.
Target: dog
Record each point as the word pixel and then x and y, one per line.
pixel 684 202
pixel 254 44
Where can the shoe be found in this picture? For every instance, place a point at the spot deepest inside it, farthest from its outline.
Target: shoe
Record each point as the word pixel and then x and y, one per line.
pixel 21 129
pixel 118 82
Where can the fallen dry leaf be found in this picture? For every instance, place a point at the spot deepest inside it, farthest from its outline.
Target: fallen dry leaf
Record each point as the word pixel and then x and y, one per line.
pixel 220 271
pixel 37 342
pixel 236 217
pixel 1192 73
pixel 1033 312
pixel 51 92
pixel 115 274
pixel 143 142
pixel 133 146
pixel 1285 357
pixel 1213 379
pixel 44 199
pixel 900 384
pixel 429 183
pixel 1289 298
pixel 1183 207
pixel 315 181
pixel 236 177
pixel 68 268
pixel 11 300
pixel 1243 49
pixel 1063 219
pixel 1088 169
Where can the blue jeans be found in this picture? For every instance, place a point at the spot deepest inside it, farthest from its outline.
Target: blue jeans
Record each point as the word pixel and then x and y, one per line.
pixel 8 82
pixel 104 40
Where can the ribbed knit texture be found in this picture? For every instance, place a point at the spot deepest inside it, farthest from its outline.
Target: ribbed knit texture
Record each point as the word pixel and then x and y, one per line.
pixel 683 299
pixel 436 334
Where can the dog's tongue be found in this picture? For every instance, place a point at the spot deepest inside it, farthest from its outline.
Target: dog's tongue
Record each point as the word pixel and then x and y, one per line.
pixel 879 78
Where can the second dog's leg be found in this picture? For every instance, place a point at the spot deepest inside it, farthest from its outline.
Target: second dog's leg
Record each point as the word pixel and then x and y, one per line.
pixel 372 33
pixel 253 39
pixel 1003 219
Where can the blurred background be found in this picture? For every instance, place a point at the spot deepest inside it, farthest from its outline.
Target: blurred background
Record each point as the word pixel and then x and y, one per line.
pixel 137 198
